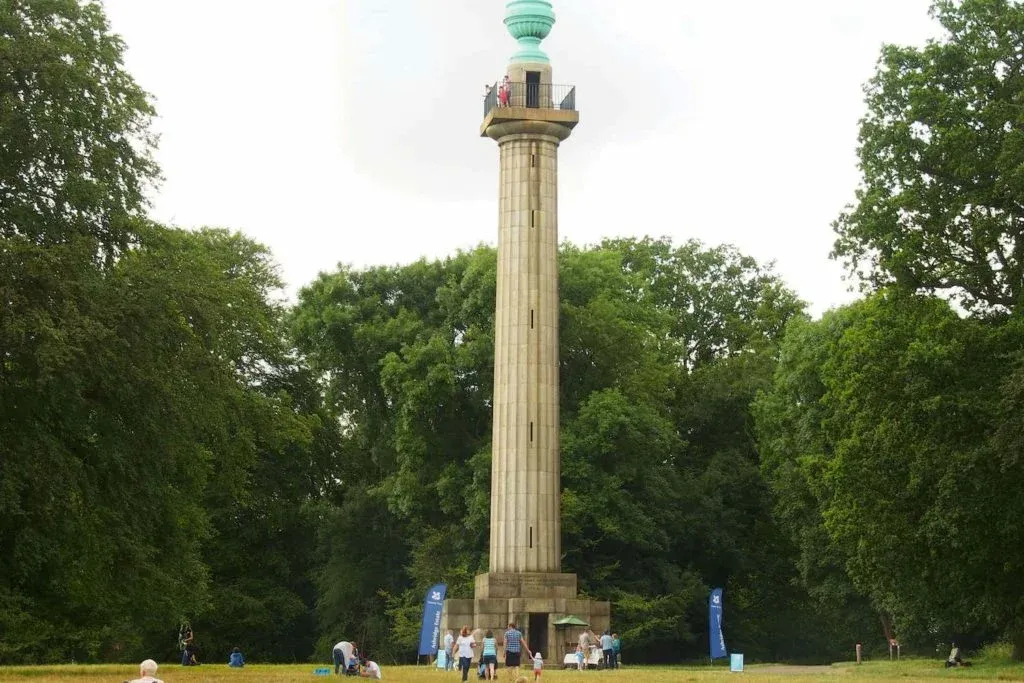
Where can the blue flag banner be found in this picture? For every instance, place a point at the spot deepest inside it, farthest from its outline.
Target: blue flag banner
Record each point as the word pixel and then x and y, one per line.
pixel 715 637
pixel 430 632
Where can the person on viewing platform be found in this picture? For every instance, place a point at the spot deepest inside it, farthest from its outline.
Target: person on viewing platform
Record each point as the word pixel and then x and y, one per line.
pixel 505 91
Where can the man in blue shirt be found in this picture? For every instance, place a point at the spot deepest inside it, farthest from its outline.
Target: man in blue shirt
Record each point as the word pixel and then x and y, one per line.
pixel 514 645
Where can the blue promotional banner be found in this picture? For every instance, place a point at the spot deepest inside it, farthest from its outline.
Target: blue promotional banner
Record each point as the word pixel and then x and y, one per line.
pixel 430 632
pixel 715 637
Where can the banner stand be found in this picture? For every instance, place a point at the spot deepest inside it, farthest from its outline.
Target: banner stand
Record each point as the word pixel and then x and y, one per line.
pixel 716 641
pixel 430 630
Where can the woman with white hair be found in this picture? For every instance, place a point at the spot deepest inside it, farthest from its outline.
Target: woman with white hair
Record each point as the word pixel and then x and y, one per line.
pixel 147 673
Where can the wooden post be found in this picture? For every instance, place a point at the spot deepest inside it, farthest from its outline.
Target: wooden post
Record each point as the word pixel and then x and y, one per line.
pixel 858 653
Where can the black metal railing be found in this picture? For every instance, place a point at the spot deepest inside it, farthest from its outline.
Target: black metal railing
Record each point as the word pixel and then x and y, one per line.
pixel 531 95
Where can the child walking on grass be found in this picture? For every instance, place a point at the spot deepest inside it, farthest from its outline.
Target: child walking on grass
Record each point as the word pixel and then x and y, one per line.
pixel 538 664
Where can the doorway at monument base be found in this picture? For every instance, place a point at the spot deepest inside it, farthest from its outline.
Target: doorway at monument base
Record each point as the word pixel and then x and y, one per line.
pixel 534 602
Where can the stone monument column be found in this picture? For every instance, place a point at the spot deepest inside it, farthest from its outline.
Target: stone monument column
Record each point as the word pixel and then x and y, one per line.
pixel 528 116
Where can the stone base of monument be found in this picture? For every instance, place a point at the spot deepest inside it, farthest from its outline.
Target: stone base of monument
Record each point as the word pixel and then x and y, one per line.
pixel 534 601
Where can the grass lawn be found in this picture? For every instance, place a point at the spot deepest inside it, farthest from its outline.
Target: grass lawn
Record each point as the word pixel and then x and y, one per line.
pixel 907 670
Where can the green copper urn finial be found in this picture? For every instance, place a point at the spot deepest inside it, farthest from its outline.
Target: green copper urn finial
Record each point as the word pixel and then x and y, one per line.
pixel 529 22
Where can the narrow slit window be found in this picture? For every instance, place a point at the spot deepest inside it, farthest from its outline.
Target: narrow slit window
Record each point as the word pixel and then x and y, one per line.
pixel 533 161
pixel 531 536
pixel 533 219
pixel 531 432
pixel 531 318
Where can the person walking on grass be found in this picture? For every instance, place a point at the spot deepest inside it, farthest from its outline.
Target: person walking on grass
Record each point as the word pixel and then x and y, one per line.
pixel 607 651
pixel 465 645
pixel 514 645
pixel 489 655
pixel 449 650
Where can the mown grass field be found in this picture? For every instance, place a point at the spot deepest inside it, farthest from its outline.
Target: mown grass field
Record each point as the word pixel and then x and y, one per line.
pixel 907 670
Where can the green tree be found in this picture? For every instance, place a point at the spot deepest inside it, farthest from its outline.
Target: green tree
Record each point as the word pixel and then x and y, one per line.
pixel 155 429
pixel 405 353
pixel 76 157
pixel 878 433
pixel 941 202
pixel 662 349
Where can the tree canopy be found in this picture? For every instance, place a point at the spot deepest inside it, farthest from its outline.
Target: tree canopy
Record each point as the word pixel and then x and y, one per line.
pixel 878 439
pixel 941 202
pixel 179 444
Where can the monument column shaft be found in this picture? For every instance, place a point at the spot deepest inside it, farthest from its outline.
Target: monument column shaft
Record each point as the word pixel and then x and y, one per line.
pixel 528 116
pixel 525 477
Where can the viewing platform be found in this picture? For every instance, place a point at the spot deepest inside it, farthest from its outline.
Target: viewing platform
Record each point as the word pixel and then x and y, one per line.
pixel 530 102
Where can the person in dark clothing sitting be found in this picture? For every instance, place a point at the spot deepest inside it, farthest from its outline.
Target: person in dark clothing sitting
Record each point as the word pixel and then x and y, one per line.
pixel 955 659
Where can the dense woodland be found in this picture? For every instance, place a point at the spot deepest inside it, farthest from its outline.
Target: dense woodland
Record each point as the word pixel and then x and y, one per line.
pixel 179 443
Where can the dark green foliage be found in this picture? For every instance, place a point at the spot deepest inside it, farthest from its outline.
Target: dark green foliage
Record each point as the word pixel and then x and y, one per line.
pixel 662 350
pixel 153 428
pixel 898 391
pixel 75 158
pixel 878 439
pixel 175 445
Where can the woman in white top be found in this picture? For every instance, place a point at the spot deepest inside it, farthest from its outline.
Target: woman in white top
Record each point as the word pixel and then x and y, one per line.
pixel 465 645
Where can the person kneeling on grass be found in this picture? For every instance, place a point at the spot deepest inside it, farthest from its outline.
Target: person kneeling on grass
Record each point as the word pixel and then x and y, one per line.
pixel 370 670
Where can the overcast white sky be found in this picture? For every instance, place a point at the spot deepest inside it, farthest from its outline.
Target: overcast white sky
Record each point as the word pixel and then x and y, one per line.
pixel 348 130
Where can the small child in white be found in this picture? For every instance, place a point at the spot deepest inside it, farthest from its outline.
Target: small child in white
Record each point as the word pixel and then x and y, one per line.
pixel 538 664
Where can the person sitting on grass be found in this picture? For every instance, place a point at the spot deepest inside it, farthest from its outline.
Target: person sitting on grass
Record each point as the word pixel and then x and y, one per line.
pixel 955 659
pixel 147 673
pixel 236 659
pixel 370 670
